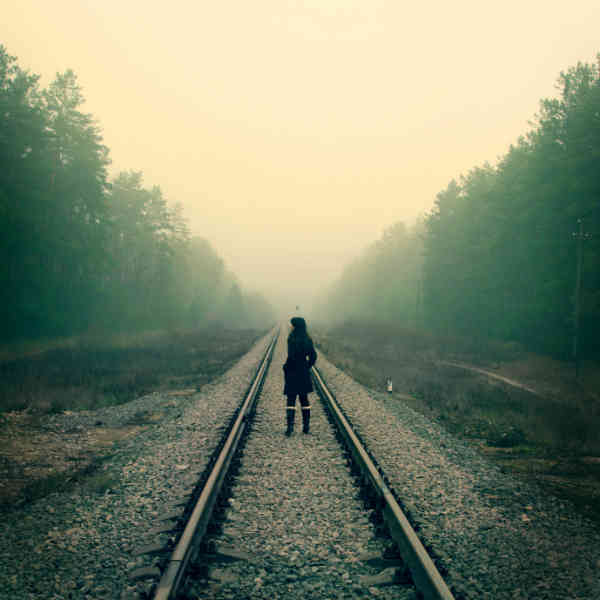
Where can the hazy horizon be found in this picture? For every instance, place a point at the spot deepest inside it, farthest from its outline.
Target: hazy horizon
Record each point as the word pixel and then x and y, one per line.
pixel 294 134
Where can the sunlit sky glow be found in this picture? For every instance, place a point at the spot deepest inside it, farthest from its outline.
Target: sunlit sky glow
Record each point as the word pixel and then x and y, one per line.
pixel 294 132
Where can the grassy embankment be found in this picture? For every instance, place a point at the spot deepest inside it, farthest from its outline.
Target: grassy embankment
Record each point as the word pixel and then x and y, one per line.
pixel 90 373
pixel 551 436
pixel 37 379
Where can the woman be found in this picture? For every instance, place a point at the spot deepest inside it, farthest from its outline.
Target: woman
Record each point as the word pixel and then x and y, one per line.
pixel 301 357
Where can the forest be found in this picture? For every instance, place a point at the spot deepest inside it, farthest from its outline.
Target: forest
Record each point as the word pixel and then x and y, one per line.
pixel 84 252
pixel 509 251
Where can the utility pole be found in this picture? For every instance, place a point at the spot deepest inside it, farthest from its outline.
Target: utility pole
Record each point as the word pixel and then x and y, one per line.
pixel 581 236
pixel 418 302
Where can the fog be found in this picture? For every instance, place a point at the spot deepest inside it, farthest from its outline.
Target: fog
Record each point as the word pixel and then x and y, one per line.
pixel 293 133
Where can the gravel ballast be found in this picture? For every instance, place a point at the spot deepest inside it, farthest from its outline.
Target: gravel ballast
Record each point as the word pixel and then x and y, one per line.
pixel 295 511
pixel 82 544
pixel 498 537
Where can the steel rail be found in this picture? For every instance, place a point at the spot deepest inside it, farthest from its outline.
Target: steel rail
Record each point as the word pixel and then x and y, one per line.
pixel 424 573
pixel 168 586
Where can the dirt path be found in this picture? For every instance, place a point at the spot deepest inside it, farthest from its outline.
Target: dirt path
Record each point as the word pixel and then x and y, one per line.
pixel 492 376
pixel 36 459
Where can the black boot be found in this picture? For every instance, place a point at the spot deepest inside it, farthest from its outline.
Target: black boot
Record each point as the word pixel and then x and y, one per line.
pixel 305 419
pixel 291 413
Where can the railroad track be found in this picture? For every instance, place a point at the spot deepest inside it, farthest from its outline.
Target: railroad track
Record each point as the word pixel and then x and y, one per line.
pixel 287 517
pixel 425 574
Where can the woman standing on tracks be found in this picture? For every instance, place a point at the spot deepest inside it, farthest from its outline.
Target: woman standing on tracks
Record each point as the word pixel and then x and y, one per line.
pixel 301 357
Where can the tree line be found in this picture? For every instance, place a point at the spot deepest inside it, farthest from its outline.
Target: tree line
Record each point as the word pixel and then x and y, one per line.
pixel 382 283
pixel 498 255
pixel 80 251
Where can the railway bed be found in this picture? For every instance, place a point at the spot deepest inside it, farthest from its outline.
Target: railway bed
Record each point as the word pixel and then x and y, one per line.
pixel 296 516
pixel 495 537
pixel 491 536
pixel 294 522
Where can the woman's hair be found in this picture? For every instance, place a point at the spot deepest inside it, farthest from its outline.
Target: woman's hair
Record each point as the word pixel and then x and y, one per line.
pixel 298 323
pixel 299 332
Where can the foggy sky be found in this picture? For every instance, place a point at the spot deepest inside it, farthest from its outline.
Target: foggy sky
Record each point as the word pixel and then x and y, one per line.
pixel 294 132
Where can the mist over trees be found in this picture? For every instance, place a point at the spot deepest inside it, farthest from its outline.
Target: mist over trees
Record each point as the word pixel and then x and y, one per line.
pixel 383 283
pixel 80 252
pixel 498 255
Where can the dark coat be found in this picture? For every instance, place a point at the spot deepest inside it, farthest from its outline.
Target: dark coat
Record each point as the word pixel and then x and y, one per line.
pixel 301 357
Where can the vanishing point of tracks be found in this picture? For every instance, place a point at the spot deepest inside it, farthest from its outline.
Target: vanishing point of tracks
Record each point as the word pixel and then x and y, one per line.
pixel 305 516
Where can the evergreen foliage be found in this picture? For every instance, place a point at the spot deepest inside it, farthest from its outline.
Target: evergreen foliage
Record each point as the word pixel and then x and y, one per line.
pixel 382 283
pixel 80 252
pixel 500 245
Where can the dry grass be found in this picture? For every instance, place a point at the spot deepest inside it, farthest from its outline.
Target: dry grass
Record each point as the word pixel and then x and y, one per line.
pixel 90 373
